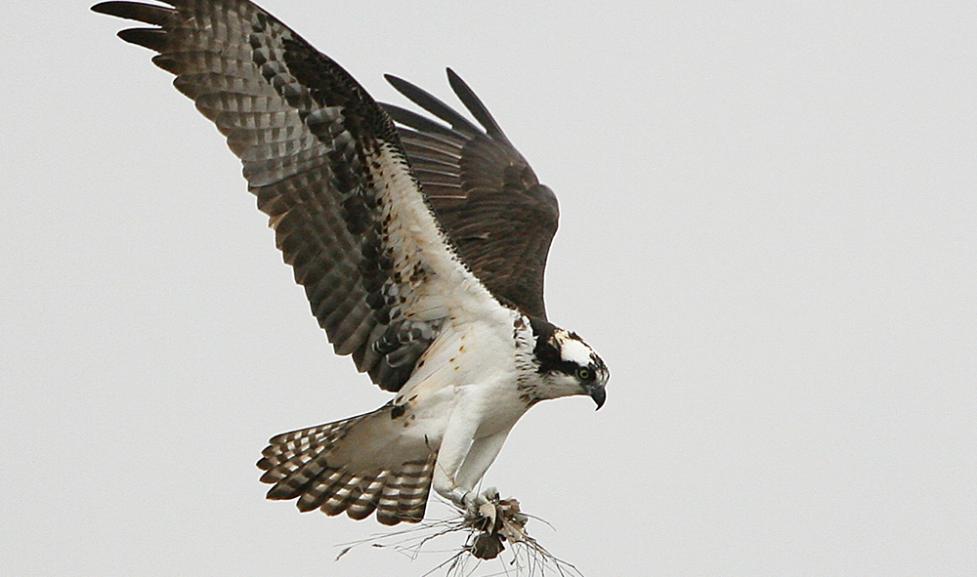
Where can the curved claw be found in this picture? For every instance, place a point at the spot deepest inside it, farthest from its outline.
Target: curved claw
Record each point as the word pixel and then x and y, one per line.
pixel 482 506
pixel 490 494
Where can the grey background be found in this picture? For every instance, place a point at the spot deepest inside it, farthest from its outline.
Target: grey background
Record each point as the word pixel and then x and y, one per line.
pixel 768 232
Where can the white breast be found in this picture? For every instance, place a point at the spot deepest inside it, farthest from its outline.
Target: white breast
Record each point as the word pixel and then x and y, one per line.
pixel 471 368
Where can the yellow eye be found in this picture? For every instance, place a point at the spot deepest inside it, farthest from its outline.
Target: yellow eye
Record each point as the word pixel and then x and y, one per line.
pixel 584 374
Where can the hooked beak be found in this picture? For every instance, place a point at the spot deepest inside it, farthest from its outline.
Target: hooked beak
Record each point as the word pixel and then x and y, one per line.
pixel 598 394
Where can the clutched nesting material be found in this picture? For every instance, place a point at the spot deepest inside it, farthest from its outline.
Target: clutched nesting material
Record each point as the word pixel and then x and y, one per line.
pixel 497 521
pixel 495 526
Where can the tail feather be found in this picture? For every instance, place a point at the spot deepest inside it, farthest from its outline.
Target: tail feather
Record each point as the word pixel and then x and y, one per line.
pixel 303 464
pixel 366 502
pixel 315 495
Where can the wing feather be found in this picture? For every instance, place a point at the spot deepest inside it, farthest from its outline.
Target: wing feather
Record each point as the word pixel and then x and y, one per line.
pixel 326 165
pixel 488 200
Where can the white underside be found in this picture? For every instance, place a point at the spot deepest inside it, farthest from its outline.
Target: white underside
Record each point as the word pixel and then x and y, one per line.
pixel 463 400
pixel 461 403
pixel 466 402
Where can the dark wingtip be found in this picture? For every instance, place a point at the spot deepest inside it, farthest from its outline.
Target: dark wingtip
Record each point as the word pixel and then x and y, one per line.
pixel 400 85
pixel 103 8
pixel 432 104
pixel 152 38
pixel 456 82
pixel 148 13
pixel 474 104
pixel 119 9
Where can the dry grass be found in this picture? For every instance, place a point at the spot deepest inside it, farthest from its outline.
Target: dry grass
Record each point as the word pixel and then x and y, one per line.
pixel 496 533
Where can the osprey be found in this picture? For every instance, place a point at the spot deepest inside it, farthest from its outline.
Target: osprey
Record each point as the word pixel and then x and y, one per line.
pixel 420 243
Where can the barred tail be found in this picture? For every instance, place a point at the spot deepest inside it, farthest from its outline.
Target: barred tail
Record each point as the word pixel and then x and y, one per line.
pixel 314 466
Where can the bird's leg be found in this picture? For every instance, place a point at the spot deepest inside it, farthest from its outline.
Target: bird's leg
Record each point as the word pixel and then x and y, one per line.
pixel 455 446
pixel 480 456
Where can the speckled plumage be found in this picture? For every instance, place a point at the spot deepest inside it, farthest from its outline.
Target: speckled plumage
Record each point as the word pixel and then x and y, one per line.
pixel 421 248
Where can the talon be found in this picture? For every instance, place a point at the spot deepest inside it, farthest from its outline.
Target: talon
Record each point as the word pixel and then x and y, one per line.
pixel 473 505
pixel 490 494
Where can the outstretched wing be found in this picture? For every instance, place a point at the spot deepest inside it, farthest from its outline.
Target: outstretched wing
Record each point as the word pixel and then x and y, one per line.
pixel 489 202
pixel 327 167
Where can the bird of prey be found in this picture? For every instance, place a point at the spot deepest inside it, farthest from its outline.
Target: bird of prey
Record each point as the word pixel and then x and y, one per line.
pixel 420 242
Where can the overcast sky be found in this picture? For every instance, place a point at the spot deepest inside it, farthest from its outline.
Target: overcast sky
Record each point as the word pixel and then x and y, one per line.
pixel 769 232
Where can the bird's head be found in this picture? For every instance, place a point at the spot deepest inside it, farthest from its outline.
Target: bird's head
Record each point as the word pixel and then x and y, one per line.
pixel 567 365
